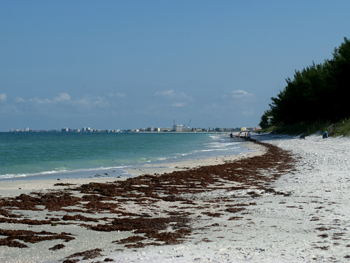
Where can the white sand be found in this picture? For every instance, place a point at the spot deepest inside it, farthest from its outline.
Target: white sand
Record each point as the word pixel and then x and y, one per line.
pixel 310 225
pixel 280 228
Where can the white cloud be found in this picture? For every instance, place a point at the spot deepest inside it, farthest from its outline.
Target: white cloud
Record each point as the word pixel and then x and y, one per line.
pixel 62 103
pixel 61 97
pixel 40 101
pixel 117 94
pixel 3 96
pixel 171 94
pixel 83 103
pixel 240 94
pixel 19 99
pixel 179 104
pixel 166 94
pixel 99 101
pixel 88 102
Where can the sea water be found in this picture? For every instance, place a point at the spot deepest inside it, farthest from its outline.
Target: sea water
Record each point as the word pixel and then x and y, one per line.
pixel 43 155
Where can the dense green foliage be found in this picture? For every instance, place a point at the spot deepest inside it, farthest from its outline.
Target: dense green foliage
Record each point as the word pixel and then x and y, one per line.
pixel 341 128
pixel 300 128
pixel 317 93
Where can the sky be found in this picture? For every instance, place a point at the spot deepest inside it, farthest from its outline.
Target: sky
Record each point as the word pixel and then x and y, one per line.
pixel 138 64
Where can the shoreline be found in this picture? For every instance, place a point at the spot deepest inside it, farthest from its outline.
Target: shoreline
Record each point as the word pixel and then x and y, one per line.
pixel 168 167
pixel 128 170
pixel 28 185
pixel 287 205
pixel 80 216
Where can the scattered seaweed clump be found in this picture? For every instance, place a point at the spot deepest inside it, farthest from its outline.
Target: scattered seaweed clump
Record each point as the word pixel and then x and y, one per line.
pixel 88 254
pixel 30 237
pixel 57 247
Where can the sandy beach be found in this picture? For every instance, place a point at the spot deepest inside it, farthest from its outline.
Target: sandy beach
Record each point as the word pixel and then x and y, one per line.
pixel 286 202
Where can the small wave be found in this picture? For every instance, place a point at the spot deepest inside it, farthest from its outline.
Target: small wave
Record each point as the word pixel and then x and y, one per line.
pixel 219 144
pixel 31 174
pixel 214 150
pixel 7 176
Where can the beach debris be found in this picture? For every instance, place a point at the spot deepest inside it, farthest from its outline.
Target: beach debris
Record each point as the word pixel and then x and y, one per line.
pixel 79 218
pixel 63 184
pixel 57 247
pixel 30 236
pixel 8 214
pixel 88 254
pixel 11 243
pixel 71 261
pixel 234 209
pixel 131 239
pixel 235 218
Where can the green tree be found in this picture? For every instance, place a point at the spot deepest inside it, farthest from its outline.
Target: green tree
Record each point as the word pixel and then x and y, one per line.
pixel 318 92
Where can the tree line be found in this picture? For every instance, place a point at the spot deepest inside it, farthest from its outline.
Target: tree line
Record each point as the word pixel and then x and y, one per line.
pixel 317 93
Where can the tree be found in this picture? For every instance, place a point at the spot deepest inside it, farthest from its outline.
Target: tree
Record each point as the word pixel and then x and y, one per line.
pixel 318 92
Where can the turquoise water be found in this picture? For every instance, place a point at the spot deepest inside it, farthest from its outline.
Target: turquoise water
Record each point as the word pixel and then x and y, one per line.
pixel 50 155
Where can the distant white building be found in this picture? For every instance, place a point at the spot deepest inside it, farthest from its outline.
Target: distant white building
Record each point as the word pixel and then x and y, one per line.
pixel 166 130
pixel 178 128
pixel 186 129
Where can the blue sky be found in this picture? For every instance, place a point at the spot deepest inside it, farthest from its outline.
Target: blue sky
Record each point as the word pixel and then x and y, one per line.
pixel 133 64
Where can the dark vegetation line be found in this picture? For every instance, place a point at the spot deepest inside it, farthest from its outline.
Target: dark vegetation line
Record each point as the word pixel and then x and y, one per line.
pixel 318 93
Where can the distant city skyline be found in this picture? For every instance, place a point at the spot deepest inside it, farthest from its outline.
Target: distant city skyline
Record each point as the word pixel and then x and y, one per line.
pixel 175 128
pixel 136 63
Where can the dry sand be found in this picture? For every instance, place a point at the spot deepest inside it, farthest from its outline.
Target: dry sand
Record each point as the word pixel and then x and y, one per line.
pixel 281 214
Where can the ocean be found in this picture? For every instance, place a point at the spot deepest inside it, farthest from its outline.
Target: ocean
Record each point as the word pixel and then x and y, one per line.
pixel 44 155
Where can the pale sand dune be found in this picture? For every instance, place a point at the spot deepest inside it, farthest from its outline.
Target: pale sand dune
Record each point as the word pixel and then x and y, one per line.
pixel 308 221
